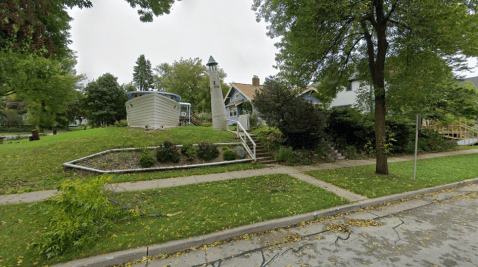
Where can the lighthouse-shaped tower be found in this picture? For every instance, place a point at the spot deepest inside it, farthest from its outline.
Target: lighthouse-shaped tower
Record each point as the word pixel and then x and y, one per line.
pixel 219 114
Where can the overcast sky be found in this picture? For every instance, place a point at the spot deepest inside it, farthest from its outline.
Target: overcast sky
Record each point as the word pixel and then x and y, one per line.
pixel 109 38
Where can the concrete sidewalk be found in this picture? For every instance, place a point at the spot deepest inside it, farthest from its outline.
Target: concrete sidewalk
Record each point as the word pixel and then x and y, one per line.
pixel 293 171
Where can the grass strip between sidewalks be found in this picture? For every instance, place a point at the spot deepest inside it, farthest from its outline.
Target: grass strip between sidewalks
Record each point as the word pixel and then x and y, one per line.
pixel 205 207
pixel 362 180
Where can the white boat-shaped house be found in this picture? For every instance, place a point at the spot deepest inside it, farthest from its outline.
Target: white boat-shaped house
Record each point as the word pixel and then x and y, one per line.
pixel 155 110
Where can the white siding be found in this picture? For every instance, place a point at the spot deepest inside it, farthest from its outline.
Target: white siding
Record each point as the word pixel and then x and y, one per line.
pixel 153 110
pixel 346 98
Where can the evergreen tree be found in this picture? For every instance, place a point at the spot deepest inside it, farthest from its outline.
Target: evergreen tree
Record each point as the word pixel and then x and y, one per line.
pixel 143 75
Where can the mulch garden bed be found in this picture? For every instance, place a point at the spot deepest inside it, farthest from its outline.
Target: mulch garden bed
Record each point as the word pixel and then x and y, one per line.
pixel 127 160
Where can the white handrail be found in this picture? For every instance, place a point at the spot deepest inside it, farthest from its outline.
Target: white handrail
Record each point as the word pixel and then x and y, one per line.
pixel 244 142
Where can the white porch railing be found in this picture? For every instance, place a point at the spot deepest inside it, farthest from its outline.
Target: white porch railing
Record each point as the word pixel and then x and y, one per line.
pixel 242 134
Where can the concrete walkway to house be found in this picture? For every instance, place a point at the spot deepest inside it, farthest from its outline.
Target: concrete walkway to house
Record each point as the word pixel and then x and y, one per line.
pixel 296 172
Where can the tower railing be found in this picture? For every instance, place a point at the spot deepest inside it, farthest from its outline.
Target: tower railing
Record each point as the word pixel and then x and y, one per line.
pixel 244 136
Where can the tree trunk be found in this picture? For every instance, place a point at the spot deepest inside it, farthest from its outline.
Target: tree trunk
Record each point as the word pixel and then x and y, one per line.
pixel 380 136
pixel 379 90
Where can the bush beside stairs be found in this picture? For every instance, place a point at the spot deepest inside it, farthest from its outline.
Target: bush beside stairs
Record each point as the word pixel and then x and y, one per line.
pixel 262 156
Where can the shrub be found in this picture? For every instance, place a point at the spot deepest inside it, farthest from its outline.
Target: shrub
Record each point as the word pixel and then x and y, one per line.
pixel 301 124
pixel 81 211
pixel 270 138
pixel 192 152
pixel 168 152
pixel 121 123
pixel 349 127
pixel 285 154
pixel 146 160
pixel 184 148
pixel 229 155
pixel 207 151
pixel 291 157
pixel 430 140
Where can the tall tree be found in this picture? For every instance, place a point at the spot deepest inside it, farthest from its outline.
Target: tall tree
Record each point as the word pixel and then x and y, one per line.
pixel 143 75
pixel 328 41
pixel 189 79
pixel 105 101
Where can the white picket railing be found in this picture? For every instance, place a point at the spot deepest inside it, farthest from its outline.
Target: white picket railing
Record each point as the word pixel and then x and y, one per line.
pixel 242 134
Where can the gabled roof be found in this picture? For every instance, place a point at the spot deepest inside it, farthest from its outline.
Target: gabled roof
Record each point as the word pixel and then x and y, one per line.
pixel 246 90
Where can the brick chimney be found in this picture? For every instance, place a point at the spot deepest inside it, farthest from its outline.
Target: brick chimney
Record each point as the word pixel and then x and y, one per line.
pixel 256 81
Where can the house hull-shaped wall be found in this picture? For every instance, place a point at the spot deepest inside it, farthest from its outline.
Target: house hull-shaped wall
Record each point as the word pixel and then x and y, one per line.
pixel 153 110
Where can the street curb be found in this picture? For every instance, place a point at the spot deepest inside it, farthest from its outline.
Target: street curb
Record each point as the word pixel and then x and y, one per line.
pixel 120 257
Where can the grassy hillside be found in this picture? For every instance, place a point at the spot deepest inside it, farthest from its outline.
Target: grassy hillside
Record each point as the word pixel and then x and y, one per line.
pixel 31 166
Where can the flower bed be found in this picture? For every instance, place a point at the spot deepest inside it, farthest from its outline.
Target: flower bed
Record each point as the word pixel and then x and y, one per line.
pixel 128 160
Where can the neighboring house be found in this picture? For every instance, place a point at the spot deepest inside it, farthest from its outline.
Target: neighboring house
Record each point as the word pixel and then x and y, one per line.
pixel 344 99
pixel 237 95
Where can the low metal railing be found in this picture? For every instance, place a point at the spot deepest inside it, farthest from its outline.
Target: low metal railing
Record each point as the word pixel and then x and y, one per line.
pixel 242 134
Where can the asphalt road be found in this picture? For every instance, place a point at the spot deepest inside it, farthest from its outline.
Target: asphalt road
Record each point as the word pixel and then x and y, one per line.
pixel 436 230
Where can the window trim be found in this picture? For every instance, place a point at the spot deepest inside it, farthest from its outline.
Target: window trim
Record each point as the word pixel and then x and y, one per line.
pixel 233 112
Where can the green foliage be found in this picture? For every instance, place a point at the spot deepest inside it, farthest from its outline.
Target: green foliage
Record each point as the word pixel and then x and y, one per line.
pixel 432 141
pixel 150 8
pixel 254 121
pixel 207 151
pixel 286 154
pixel 229 155
pixel 246 108
pixel 386 43
pixel 189 150
pixel 105 101
pixel 45 84
pixel 168 152
pixel 189 79
pixel 301 124
pixel 348 128
pixel 143 75
pixel 146 160
pixel 290 157
pixel 185 148
pixel 35 27
pixel 121 123
pixel 192 152
pixel 270 138
pixel 81 211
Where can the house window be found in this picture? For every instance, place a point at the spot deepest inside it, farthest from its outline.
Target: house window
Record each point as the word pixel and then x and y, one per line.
pixel 236 96
pixel 349 88
pixel 232 112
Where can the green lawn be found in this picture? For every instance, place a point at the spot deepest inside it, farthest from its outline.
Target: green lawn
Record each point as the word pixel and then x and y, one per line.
pixel 430 172
pixel 205 207
pixel 31 166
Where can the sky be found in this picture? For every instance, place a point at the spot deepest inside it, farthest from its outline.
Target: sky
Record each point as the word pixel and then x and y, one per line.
pixel 109 37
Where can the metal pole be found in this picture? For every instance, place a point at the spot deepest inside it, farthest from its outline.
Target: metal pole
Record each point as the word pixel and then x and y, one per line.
pixel 416 150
